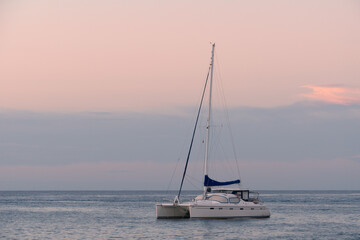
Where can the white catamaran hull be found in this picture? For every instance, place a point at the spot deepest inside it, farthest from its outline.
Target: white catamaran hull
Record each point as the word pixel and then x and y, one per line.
pixel 172 210
pixel 195 210
pixel 210 211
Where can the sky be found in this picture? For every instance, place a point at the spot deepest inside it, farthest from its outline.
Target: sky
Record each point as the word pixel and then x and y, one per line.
pixel 102 95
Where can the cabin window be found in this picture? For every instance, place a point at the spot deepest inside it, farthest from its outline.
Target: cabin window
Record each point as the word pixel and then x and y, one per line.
pixel 231 208
pixel 245 195
pixel 241 208
pixel 252 208
pixel 218 199
pixel 234 200
pixel 211 208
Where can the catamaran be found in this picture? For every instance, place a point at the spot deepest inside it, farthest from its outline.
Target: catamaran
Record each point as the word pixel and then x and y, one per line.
pixel 216 201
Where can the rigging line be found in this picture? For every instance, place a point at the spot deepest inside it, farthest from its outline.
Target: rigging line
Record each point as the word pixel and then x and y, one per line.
pixel 192 139
pixel 232 140
pixel 228 166
pixel 214 143
pixel 177 163
pixel 188 176
pixel 227 117
pixel 189 180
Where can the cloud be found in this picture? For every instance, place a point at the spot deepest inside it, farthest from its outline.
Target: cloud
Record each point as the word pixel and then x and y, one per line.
pixel 125 150
pixel 333 94
pixel 311 174
pixel 89 176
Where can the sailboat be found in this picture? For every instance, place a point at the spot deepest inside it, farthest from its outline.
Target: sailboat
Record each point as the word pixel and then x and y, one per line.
pixel 216 201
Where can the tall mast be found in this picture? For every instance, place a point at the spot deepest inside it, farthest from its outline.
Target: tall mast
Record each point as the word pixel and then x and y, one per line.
pixel 209 116
pixel 176 200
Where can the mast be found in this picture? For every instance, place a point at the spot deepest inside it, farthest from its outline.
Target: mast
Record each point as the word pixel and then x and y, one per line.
pixel 176 200
pixel 209 117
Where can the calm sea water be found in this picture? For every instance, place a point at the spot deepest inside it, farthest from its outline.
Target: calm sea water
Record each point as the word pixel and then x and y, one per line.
pixel 131 215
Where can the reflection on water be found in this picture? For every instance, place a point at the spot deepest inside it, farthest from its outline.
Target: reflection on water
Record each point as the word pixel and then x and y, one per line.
pixel 131 215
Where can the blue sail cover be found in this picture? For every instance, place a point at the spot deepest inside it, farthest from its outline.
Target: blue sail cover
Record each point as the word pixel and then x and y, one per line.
pixel 208 182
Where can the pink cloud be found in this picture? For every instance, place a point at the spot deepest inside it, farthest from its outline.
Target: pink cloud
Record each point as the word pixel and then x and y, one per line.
pixel 333 94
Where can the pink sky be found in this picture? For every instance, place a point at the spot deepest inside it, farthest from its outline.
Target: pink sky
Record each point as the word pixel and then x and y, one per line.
pixel 153 56
pixel 136 55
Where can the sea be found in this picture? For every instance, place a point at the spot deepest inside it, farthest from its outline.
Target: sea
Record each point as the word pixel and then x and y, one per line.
pixel 131 215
